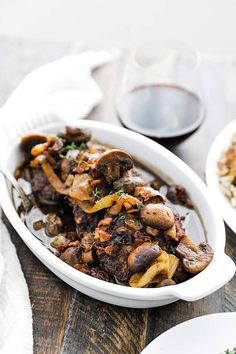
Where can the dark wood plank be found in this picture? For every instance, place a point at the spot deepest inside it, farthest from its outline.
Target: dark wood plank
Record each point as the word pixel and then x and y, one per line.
pixel 94 327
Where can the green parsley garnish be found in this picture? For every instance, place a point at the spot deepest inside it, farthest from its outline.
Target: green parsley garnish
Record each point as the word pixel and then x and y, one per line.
pixel 172 249
pixel 121 216
pixel 121 192
pixel 64 150
pixel 82 147
pixel 139 207
pixel 96 192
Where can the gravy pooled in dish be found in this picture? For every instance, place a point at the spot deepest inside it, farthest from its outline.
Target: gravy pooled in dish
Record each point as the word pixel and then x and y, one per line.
pixel 95 210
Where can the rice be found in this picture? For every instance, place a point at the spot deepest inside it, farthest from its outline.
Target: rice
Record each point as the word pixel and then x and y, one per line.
pixel 227 172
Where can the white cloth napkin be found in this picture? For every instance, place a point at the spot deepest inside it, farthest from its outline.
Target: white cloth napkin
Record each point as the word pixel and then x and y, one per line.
pixel 66 89
pixel 15 311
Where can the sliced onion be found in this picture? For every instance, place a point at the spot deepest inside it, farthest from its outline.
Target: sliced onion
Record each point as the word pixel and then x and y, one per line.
pixel 161 266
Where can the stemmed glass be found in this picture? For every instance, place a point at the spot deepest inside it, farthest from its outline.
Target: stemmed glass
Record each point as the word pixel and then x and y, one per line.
pixel 158 95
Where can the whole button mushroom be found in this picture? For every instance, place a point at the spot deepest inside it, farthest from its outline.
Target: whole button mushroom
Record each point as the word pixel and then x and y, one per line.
pixel 70 255
pixel 158 216
pixel 112 163
pixel 142 256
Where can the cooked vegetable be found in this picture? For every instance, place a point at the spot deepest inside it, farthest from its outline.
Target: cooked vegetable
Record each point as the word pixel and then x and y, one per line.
pixel 161 266
pixel 104 218
pixel 29 141
pixel 112 163
pixel 141 257
pixel 53 224
pixel 53 179
pixel 158 216
pixel 173 265
pixel 81 188
pixel 70 256
pixel 195 257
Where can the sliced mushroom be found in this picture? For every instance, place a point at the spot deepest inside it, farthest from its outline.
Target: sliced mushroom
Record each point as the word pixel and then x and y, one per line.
pixel 196 257
pixel 129 183
pixel 70 255
pixel 112 163
pixel 158 216
pixel 142 256
pixel 31 140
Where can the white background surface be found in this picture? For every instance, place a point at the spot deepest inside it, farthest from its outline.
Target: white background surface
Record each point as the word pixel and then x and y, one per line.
pixel 207 25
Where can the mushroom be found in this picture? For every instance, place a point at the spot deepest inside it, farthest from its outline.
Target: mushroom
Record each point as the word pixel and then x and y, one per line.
pixel 158 216
pixel 53 224
pixel 112 163
pixel 142 256
pixel 149 194
pixel 31 140
pixel 59 242
pixel 129 183
pixel 70 255
pixel 75 135
pixel 196 257
pixel 88 257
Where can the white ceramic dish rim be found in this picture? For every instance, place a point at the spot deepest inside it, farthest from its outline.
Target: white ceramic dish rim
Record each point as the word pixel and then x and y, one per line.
pixel 189 290
pixel 219 145
pixel 221 317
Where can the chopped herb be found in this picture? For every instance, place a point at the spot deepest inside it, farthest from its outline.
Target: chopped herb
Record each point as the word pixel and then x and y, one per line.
pixel 82 147
pixel 72 146
pixel 96 192
pixel 139 207
pixel 64 150
pixel 121 192
pixel 172 249
pixel 121 216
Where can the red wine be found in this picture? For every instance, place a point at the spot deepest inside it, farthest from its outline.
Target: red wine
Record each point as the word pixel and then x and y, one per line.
pixel 161 110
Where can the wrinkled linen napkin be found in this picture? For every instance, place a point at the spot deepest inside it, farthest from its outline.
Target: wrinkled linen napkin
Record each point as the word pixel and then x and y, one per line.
pixel 66 88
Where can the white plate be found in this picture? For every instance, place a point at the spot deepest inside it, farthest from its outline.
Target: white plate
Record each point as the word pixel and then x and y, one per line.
pixel 157 158
pixel 220 144
pixel 211 334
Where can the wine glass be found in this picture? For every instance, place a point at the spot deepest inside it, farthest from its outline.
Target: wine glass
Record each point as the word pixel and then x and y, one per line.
pixel 158 95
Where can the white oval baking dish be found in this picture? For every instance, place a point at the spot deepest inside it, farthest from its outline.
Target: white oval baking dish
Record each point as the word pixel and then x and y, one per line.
pixel 218 273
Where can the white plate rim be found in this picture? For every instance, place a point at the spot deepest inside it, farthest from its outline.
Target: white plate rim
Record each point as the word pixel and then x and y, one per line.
pixel 192 322
pixel 219 145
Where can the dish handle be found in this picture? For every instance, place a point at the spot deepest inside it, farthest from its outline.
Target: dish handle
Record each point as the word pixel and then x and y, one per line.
pixel 216 275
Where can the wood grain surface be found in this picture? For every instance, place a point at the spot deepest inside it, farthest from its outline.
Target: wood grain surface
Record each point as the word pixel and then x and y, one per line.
pixel 64 320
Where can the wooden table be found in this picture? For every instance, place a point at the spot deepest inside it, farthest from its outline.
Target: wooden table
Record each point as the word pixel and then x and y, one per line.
pixel 66 321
